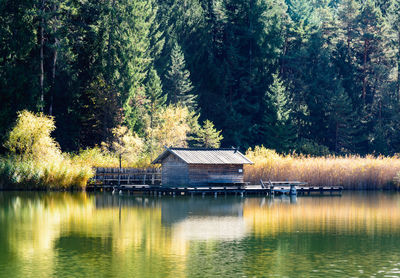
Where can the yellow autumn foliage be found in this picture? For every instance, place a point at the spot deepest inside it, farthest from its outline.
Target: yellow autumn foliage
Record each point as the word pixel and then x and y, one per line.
pixel 172 127
pixel 31 137
pixel 35 159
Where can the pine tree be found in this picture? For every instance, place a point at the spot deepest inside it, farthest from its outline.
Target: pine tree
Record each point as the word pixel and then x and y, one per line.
pixel 379 140
pixel 341 117
pixel 208 136
pixel 348 12
pixel 277 128
pixel 393 19
pixel 19 82
pixel 252 43
pixel 370 45
pixel 155 101
pixel 362 131
pixel 179 87
pixel 154 94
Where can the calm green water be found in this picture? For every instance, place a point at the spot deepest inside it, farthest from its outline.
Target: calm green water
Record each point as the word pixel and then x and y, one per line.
pixel 100 235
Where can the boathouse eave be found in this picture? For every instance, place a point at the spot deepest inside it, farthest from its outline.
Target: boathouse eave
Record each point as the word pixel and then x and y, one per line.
pixel 205 156
pixel 164 154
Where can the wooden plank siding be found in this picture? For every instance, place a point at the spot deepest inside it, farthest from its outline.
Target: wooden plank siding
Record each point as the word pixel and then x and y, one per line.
pixel 174 172
pixel 205 174
pixel 178 173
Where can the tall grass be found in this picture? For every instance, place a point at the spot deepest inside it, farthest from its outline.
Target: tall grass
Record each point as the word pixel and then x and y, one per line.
pixel 17 174
pixel 351 171
pixel 35 160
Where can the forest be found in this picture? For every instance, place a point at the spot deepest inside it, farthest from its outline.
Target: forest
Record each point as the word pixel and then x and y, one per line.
pixel 315 77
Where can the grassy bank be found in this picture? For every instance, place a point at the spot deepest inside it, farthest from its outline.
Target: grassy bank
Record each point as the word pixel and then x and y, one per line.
pixel 34 159
pixel 42 175
pixel 352 172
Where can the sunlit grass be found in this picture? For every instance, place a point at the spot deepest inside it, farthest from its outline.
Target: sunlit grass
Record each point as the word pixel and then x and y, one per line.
pixel 351 171
pixel 347 214
pixel 58 173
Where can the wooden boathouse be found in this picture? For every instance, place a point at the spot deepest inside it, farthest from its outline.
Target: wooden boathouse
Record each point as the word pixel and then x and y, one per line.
pixel 185 167
pixel 196 171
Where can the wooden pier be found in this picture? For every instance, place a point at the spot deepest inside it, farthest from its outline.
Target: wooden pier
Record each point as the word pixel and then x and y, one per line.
pixel 298 188
pixel 277 188
pixel 148 181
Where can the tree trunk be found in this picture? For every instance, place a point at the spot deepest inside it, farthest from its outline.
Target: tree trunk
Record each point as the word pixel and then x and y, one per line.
pixel 42 57
pixel 337 135
pixel 55 54
pixel 53 82
pixel 364 90
pixel 110 62
pixel 398 65
pixel 284 51
pixel 348 44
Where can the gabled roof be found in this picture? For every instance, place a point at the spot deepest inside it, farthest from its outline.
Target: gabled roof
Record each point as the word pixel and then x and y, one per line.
pixel 205 156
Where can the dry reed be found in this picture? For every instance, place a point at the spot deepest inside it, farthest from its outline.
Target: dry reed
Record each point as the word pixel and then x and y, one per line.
pixel 351 171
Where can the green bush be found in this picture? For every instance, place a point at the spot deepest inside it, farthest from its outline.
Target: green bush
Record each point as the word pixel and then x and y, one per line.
pixel 35 160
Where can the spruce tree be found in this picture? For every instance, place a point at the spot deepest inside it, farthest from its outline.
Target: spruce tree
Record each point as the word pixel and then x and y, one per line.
pixel 393 19
pixel 370 47
pixel 277 128
pixel 252 43
pixel 208 136
pixel 156 100
pixel 342 121
pixel 179 87
pixel 348 12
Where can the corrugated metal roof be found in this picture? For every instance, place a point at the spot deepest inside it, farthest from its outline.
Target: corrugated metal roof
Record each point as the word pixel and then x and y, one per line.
pixel 205 156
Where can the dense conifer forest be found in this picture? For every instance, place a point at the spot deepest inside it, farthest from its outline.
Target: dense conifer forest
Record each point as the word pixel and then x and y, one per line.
pixel 315 77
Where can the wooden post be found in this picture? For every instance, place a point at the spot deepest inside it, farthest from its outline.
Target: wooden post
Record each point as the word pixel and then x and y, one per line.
pixel 119 172
pixel 271 187
pixel 293 190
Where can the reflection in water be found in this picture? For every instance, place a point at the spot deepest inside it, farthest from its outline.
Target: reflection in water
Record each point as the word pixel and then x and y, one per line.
pixel 63 234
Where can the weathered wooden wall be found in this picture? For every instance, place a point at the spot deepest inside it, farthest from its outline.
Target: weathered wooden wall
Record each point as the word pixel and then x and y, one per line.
pixel 174 172
pixel 204 174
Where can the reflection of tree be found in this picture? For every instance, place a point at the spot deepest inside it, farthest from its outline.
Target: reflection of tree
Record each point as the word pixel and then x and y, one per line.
pixel 47 234
pixel 57 231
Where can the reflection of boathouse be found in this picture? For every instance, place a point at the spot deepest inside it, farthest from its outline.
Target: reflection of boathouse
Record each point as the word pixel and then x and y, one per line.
pixel 201 167
pixel 203 219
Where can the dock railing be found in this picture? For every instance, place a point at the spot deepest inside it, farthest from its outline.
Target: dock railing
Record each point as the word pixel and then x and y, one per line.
pixel 126 176
pixel 297 187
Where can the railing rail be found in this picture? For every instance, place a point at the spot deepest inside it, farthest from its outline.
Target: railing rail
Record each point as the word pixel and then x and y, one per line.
pixel 126 176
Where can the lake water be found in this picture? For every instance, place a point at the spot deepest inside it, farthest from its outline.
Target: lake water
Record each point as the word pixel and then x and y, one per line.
pixel 101 235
